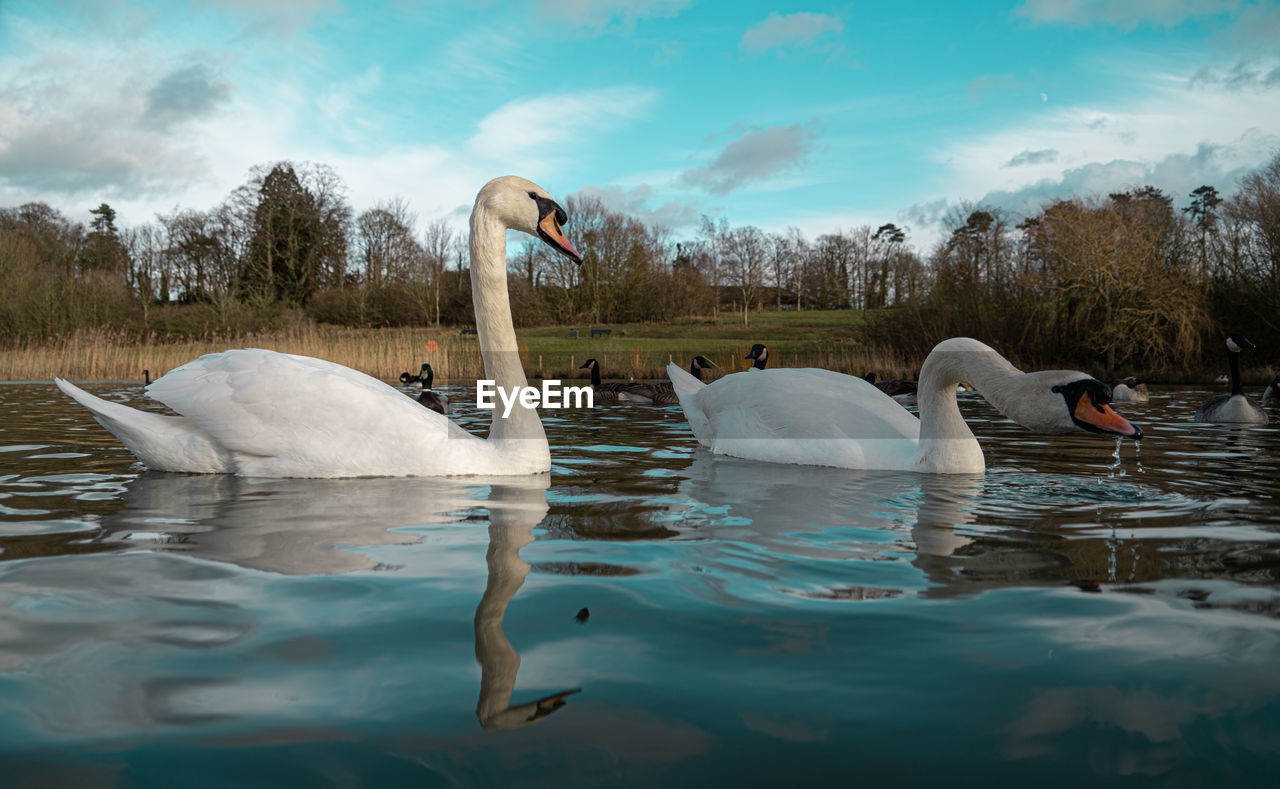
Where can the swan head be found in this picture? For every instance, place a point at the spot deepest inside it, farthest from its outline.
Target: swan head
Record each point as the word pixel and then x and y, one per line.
pixel 1085 404
pixel 522 205
pixel 1133 382
pixel 1238 342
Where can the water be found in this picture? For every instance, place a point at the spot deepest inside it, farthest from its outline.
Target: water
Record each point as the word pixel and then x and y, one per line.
pixel 1069 616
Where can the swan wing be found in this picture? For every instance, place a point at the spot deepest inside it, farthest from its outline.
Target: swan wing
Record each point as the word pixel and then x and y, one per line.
pixel 282 415
pixel 686 388
pixel 163 443
pixel 807 416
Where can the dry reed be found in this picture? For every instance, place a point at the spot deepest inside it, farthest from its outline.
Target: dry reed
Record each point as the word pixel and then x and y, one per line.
pixel 385 353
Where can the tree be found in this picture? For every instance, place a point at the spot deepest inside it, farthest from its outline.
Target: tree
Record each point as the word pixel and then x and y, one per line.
pixel 103 250
pixel 746 251
pixel 298 241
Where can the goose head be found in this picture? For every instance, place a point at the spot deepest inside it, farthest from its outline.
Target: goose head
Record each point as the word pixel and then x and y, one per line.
pixel 702 363
pixel 590 364
pixel 1238 342
pixel 1074 402
pixel 522 205
pixel 761 355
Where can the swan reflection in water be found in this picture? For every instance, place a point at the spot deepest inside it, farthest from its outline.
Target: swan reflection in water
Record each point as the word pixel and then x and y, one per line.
pixel 303 526
pixel 774 506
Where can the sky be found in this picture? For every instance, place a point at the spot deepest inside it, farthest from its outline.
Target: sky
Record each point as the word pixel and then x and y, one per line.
pixel 819 116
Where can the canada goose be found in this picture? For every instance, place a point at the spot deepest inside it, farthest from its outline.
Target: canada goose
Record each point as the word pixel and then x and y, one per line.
pixel 1129 390
pixel 899 388
pixel 761 356
pixel 820 418
pixel 604 393
pixel 662 392
pixel 1236 407
pixel 146 378
pixel 433 400
pixel 1272 395
pixel 266 414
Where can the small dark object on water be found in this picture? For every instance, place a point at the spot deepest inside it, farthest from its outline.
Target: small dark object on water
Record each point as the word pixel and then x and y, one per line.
pixel 582 616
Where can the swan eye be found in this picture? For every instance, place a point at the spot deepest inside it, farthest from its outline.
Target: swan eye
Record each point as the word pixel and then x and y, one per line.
pixel 534 195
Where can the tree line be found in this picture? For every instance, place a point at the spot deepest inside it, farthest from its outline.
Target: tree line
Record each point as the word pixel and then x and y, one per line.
pixel 1132 278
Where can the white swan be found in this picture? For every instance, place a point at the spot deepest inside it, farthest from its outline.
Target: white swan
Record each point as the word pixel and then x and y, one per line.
pixel 820 418
pixel 259 413
pixel 1129 390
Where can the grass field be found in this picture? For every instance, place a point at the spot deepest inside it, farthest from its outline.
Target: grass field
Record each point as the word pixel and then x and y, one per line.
pixel 795 339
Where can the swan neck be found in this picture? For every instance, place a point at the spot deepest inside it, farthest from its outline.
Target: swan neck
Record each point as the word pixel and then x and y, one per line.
pixel 494 328
pixel 946 442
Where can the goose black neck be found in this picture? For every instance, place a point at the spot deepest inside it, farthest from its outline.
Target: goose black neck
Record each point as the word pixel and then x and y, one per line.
pixel 759 363
pixel 595 375
pixel 696 370
pixel 1237 387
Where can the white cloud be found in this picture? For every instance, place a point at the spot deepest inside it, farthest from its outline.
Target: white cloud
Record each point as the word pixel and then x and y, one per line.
pixel 638 202
pixel 1127 14
pixel 780 31
pixel 551 124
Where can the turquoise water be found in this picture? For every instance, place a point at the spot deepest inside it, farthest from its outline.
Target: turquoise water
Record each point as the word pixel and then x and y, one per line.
pixel 1069 617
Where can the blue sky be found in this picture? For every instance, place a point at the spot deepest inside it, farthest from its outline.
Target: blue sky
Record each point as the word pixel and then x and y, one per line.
pixel 822 116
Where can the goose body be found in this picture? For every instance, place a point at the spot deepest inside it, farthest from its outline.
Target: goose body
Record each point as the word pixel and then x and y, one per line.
pixel 604 392
pixel 1272 394
pixel 662 392
pixel 260 413
pixel 821 418
pixel 1130 390
pixel 900 389
pixel 1237 407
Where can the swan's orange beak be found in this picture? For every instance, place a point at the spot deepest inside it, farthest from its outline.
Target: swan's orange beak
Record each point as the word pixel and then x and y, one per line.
pixel 1104 419
pixel 549 229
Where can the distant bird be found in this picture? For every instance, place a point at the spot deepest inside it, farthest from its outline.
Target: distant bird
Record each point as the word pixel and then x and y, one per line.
pixel 604 393
pixel 408 378
pixel 1129 390
pixel 433 400
pixel 1236 407
pixel 146 378
pixel 662 393
pixel 760 354
pixel 1272 395
pixel 899 389
pixel 582 616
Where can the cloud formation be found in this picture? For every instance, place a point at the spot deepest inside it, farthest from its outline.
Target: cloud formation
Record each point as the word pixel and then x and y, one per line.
pixel 635 201
pixel 1044 156
pixel 789 31
pixel 756 155
pixel 1244 75
pixel 552 123
pixel 184 93
pixel 1126 14
pixel 599 14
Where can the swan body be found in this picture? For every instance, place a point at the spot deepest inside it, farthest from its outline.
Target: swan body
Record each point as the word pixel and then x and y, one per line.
pixel 1237 407
pixel 1130 390
pixel 821 418
pixel 260 413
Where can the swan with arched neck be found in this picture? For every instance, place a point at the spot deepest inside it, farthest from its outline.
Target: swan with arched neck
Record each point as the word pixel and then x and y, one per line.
pixel 821 418
pixel 260 413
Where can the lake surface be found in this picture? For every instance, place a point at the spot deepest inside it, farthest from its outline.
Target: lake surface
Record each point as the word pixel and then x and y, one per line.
pixel 1071 617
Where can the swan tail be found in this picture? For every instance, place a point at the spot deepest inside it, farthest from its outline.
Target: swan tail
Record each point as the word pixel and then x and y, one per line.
pixel 687 388
pixel 163 443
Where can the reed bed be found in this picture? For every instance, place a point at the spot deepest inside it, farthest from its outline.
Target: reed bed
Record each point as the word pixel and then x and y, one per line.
pixel 385 353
